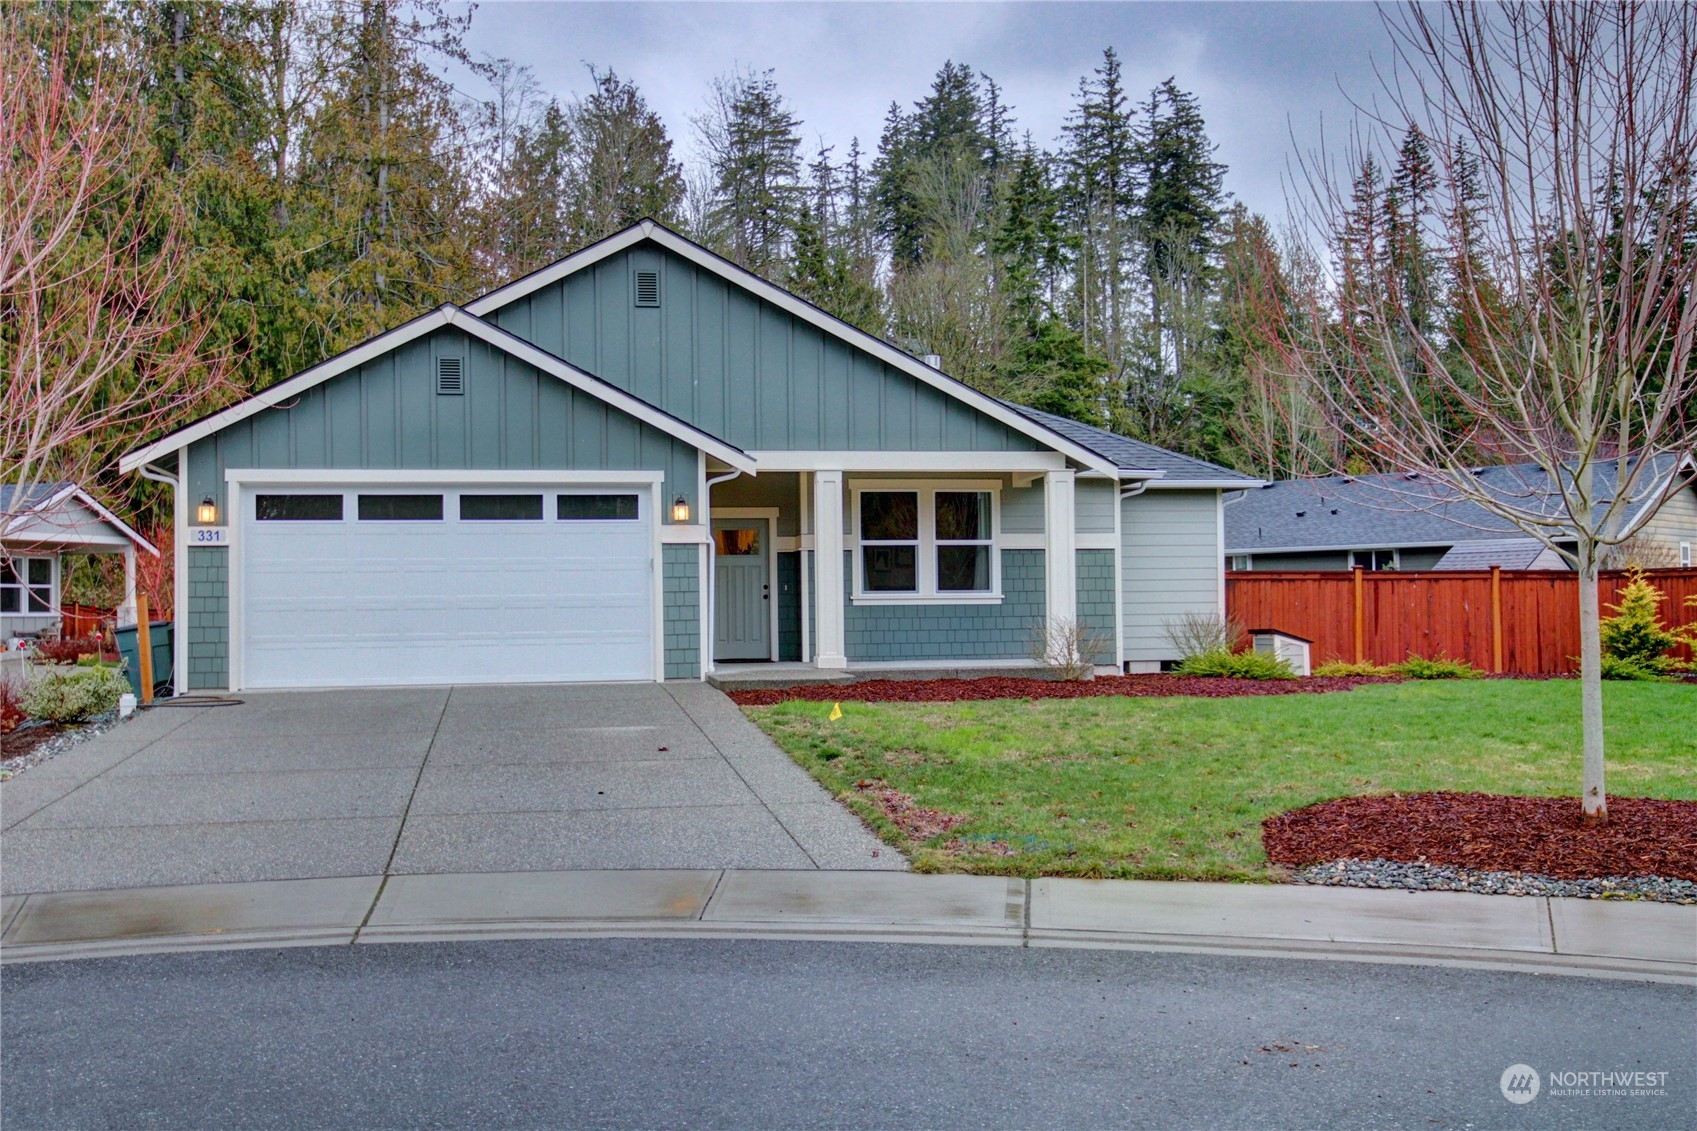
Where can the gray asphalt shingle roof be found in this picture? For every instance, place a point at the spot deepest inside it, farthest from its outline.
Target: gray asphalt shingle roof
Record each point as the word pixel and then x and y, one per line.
pixel 16 500
pixel 1134 455
pixel 1509 553
pixel 1394 509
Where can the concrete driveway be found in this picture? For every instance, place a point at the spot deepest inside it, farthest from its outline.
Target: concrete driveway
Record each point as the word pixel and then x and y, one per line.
pixel 291 785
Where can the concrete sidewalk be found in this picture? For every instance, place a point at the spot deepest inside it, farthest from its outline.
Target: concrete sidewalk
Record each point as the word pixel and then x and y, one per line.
pixel 1650 941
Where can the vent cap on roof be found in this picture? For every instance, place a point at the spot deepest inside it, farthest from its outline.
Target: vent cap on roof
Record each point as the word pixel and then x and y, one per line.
pixel 450 376
pixel 648 288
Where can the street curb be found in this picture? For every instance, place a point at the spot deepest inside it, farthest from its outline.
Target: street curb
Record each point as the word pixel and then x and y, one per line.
pixel 1510 934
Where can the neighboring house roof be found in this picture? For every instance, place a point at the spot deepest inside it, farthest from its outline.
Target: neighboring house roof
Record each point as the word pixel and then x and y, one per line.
pixel 445 315
pixel 1138 459
pixel 26 511
pixel 659 234
pixel 1508 553
pixel 1382 511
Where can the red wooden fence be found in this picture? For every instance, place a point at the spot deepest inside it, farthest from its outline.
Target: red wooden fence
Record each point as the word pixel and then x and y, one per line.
pixel 77 622
pixel 1498 620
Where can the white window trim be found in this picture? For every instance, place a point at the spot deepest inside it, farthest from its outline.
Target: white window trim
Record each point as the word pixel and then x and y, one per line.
pixel 21 564
pixel 926 563
pixel 1685 555
pixel 1396 559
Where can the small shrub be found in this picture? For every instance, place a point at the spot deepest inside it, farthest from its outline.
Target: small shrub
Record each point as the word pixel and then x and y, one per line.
pixel 1439 667
pixel 1235 665
pixel 11 705
pixel 66 651
pixel 71 694
pixel 1194 634
pixel 1614 667
pixel 1070 648
pixel 1634 637
pixel 1347 668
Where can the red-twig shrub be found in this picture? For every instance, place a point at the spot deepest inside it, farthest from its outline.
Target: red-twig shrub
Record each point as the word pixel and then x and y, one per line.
pixel 68 651
pixel 11 711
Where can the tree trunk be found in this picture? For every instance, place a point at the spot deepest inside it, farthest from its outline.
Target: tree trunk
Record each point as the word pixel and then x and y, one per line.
pixel 1594 801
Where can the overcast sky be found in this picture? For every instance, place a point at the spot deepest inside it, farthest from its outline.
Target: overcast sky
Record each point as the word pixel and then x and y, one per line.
pixel 1263 71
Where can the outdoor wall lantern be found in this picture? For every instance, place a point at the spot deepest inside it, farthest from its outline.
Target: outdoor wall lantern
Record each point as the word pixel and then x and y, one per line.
pixel 680 509
pixel 207 513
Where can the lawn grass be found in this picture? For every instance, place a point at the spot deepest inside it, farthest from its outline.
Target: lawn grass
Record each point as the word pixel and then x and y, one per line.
pixel 1177 788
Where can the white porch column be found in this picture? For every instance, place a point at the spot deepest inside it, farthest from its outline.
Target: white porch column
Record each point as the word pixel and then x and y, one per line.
pixel 828 568
pixel 1060 565
pixel 127 611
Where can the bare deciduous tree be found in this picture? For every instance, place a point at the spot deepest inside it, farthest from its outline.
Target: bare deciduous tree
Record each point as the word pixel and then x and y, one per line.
pixel 93 349
pixel 1564 137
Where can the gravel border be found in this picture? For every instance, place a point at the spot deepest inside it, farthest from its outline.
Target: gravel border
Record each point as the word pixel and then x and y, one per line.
pixel 1396 874
pixel 58 744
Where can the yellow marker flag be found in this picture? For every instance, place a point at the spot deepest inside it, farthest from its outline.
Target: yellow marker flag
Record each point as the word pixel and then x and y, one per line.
pixel 836 711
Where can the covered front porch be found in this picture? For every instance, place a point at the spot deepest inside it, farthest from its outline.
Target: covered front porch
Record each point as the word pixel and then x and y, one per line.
pixel 929 563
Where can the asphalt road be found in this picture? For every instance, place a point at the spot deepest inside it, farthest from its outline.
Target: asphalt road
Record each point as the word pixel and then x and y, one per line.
pixel 787 1034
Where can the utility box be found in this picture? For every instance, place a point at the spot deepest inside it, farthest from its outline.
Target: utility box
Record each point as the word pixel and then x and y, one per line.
pixel 1293 650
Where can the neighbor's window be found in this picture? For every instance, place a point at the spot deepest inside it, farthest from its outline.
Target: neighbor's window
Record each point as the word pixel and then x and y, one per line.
pixel 889 541
pixel 596 508
pixel 1373 560
pixel 26 585
pixel 926 542
pixel 297 508
pixel 400 508
pixel 501 508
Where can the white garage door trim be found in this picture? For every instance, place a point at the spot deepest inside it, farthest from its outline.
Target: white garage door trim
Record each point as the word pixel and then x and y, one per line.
pixel 240 481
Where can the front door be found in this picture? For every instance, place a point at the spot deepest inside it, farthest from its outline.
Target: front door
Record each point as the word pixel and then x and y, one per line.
pixel 742 610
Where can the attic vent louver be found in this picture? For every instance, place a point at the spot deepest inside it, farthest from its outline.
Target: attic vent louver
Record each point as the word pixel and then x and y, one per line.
pixel 450 376
pixel 648 288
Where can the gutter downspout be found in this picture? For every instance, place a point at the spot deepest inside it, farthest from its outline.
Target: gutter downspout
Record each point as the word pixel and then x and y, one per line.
pixel 712 580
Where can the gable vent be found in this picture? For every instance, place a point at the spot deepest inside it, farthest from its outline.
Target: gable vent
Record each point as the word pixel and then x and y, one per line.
pixel 450 377
pixel 648 288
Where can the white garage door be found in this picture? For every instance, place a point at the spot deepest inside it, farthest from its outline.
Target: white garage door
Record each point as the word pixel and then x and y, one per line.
pixel 414 584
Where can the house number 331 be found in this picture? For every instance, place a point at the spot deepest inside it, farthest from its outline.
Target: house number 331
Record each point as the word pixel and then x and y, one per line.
pixel 211 536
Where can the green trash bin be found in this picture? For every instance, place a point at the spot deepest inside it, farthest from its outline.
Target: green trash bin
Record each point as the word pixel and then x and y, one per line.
pixel 159 636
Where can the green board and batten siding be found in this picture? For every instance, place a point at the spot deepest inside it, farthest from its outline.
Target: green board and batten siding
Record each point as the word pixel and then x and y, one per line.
pixel 386 414
pixel 739 367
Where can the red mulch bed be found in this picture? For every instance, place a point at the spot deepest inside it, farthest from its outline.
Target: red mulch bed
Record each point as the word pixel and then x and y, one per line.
pixel 1490 832
pixel 956 690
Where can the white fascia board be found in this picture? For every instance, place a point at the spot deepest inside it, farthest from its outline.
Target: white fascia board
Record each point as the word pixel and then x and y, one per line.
pixel 285 390
pixel 1345 547
pixel 805 311
pixel 601 390
pixel 1206 484
pixel 966 463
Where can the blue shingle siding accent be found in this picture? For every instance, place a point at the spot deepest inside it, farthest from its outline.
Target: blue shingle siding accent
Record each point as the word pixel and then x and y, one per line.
pixel 954 632
pixel 681 583
pixel 1096 598
pixel 789 606
pixel 741 368
pixel 208 618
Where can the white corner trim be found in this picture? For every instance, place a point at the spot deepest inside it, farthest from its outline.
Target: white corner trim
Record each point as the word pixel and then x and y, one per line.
pixel 442 316
pixel 805 311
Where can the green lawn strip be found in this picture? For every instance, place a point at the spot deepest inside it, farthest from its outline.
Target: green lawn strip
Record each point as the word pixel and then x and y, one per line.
pixel 1177 788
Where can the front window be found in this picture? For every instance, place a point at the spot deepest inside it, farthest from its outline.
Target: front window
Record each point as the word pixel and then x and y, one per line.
pixel 26 585
pixel 920 542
